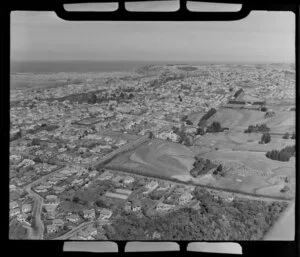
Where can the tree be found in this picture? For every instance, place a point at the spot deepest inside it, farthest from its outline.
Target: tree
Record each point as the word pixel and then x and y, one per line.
pixel 92 98
pixel 100 203
pixel 200 131
pixel 214 127
pixel 218 170
pixel 35 141
pixel 184 118
pixel 282 155
pixel 76 199
pixel 150 134
pixel 188 122
pixel 263 109
pixel 286 135
pixel 285 189
pixel 265 138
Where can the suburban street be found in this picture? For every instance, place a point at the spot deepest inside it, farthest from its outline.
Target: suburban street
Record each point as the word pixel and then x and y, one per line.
pixel 39 233
pixel 74 231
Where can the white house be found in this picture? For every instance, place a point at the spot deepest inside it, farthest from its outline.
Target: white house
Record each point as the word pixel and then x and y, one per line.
pixel 26 207
pixel 164 207
pixel 104 214
pixel 89 214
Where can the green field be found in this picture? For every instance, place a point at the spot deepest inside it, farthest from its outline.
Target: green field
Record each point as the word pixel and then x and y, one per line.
pixel 159 158
pixel 239 120
pixel 251 172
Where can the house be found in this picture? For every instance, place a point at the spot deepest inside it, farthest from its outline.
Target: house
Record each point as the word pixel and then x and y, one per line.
pixel 196 206
pixel 50 208
pixel 91 230
pixel 164 207
pixel 114 195
pixel 52 200
pixel 173 136
pixel 185 198
pixel 14 212
pixel 58 222
pixel 22 217
pixel 179 190
pixel 89 214
pixel 83 235
pixel 136 205
pixel 12 187
pixel 164 186
pixel 127 206
pixel 40 189
pixel 128 180
pixel 104 214
pixel 216 197
pixel 73 218
pixel 229 199
pixel 156 235
pixel 152 185
pixel 51 229
pixel 26 207
pixel 117 179
pixel 58 189
pixel 123 191
pixel 13 205
pixel 93 173
pixel 106 175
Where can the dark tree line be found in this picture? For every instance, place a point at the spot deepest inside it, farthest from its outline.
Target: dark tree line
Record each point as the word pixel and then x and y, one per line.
pixel 283 155
pixel 265 138
pixel 201 167
pixel 257 128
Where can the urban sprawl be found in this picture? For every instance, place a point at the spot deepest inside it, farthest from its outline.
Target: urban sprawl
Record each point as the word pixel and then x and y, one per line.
pixel 152 154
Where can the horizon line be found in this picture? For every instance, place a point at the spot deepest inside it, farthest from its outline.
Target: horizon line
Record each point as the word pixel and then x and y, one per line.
pixel 161 61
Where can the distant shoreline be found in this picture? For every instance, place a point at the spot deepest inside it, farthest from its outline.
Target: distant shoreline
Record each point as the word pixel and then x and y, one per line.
pixel 78 66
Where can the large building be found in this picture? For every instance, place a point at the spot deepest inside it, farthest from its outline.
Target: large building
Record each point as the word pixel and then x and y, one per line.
pixel 239 94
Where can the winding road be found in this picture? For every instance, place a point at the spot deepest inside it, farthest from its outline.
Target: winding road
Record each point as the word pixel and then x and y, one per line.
pixel 39 233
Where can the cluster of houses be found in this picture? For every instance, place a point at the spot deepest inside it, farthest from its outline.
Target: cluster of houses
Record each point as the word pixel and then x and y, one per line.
pixel 227 197
pixel 22 213
pixel 104 215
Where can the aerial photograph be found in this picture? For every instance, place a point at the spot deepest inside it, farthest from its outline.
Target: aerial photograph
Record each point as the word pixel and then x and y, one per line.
pixel 151 130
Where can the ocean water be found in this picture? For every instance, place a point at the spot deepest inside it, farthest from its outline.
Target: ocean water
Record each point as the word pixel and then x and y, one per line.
pixel 77 66
pixel 95 66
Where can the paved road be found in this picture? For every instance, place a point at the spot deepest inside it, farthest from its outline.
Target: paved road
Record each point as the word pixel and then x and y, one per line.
pixel 42 178
pixel 74 231
pixel 211 189
pixel 39 233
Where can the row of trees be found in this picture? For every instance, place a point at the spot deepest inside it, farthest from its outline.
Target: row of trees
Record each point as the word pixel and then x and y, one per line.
pixel 287 136
pixel 215 127
pixel 283 155
pixel 265 138
pixel 201 167
pixel 257 128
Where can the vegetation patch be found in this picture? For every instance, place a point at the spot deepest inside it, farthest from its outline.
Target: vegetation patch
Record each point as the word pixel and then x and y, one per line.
pixel 283 155
pixel 257 128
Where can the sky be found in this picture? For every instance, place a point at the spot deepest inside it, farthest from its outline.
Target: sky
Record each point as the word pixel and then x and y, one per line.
pixel 260 37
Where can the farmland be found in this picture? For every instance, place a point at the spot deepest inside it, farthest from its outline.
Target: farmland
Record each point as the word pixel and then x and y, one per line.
pixel 159 157
pixel 251 172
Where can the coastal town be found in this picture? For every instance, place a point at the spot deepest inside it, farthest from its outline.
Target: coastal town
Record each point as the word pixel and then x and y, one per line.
pixel 95 149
